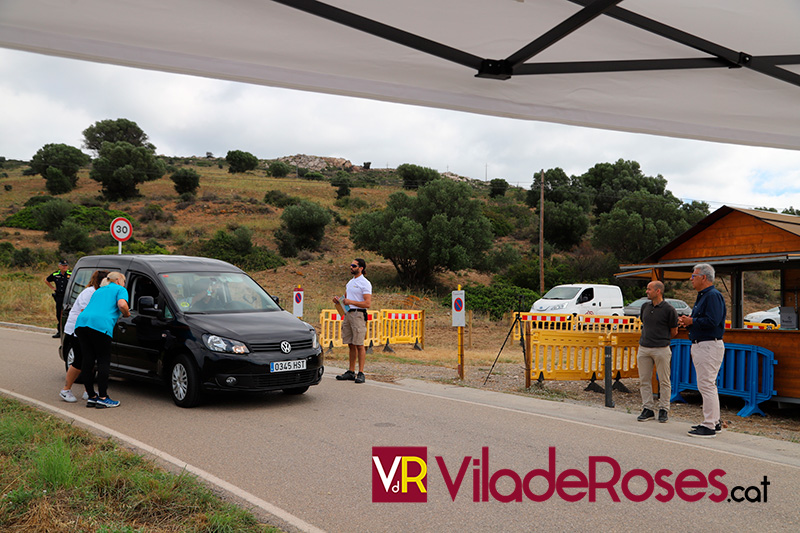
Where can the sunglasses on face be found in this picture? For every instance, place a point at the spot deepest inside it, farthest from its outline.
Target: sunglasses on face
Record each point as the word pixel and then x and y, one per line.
pixel 354 266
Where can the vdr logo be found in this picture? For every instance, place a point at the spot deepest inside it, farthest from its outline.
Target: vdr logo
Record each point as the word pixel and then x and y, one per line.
pixel 400 474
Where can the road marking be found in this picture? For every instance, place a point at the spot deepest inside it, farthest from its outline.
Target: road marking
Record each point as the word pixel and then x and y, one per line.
pixel 252 499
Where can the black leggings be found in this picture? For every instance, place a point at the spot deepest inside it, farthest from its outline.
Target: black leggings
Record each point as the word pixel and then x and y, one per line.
pixel 96 348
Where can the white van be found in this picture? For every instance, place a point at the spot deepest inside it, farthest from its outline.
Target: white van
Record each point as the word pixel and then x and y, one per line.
pixel 581 299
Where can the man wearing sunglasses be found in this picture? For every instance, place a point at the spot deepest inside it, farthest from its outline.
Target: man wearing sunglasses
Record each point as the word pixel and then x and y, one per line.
pixel 706 326
pixel 357 299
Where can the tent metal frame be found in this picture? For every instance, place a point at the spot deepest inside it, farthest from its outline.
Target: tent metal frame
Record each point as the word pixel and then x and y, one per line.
pixel 515 64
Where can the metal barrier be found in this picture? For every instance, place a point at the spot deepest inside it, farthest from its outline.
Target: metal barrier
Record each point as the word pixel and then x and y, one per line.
pixel 331 328
pixel 747 372
pixel 400 326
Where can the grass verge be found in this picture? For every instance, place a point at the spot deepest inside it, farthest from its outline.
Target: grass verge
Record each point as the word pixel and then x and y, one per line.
pixel 56 477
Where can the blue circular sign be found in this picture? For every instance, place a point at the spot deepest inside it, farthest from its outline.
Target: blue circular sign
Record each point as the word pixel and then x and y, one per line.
pixel 458 305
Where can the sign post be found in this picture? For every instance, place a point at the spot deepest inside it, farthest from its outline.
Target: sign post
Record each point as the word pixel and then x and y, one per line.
pixel 459 320
pixel 121 230
pixel 297 298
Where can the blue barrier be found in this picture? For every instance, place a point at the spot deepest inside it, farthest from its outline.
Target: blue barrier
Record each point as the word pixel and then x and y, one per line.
pixel 746 372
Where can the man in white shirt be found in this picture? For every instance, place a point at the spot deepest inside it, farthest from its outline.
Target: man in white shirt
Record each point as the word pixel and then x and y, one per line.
pixel 357 299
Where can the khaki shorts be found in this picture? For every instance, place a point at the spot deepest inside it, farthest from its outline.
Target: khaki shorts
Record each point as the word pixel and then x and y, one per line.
pixel 354 329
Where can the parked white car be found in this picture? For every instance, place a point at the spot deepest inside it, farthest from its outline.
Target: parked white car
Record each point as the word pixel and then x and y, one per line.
pixel 770 316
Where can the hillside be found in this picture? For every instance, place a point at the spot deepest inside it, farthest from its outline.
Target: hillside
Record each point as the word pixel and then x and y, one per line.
pixel 227 200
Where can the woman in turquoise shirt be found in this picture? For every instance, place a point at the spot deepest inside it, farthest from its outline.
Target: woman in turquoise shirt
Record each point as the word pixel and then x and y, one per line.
pixel 94 328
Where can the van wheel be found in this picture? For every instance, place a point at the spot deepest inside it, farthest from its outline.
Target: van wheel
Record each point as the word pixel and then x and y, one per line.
pixel 69 359
pixel 184 384
pixel 296 390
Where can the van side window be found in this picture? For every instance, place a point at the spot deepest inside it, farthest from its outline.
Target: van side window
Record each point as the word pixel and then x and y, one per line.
pixel 141 286
pixel 80 280
pixel 586 296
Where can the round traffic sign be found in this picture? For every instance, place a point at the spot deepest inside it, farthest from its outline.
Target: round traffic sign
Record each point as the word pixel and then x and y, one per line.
pixel 458 304
pixel 121 229
pixel 298 296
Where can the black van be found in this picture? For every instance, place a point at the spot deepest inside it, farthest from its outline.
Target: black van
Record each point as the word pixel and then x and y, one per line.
pixel 201 324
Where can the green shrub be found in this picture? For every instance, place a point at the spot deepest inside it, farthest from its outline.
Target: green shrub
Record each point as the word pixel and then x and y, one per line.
pixel 149 247
pixel 72 237
pixel 186 180
pixel 6 253
pixel 50 215
pixel 279 169
pixel 280 198
pixel 236 246
pixel 496 299
pixel 305 223
pixel 56 181
pixel 239 161
pixel 354 204
pixel 314 176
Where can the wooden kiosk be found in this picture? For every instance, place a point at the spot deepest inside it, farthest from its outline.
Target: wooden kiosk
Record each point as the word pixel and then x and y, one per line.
pixel 735 241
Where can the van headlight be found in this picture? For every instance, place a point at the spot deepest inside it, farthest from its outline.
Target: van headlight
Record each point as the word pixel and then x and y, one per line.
pixel 558 306
pixel 314 339
pixel 215 343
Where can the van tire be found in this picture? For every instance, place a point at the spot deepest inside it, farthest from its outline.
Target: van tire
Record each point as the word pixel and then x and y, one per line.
pixel 184 385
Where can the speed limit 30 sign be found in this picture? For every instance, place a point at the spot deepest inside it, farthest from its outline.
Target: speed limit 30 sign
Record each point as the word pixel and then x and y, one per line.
pixel 121 229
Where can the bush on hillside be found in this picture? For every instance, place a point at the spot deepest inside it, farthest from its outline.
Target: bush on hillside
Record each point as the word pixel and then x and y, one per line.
pixel 72 238
pixel 278 169
pixel 302 227
pixel 186 180
pixel 280 199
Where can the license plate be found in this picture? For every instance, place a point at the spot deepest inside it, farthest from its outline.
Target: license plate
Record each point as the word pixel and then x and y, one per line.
pixel 287 366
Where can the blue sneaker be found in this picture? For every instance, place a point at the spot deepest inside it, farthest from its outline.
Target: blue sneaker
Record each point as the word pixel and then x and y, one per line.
pixel 103 403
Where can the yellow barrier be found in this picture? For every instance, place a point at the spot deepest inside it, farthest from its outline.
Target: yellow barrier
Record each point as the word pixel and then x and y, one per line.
pixel 600 323
pixel 580 355
pixel 396 326
pixel 331 328
pixel 565 355
pixel 541 321
pixel 754 325
pixel 400 326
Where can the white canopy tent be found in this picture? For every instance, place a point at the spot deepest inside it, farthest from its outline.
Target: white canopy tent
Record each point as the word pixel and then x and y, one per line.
pixel 720 70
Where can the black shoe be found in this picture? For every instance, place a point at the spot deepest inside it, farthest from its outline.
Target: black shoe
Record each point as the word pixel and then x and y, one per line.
pixel 347 376
pixel 702 432
pixel 92 402
pixel 663 416
pixel 57 335
pixel 717 427
pixel 647 414
pixel 360 378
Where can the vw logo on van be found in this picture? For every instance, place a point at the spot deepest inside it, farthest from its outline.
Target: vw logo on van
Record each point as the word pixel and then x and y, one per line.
pixel 286 347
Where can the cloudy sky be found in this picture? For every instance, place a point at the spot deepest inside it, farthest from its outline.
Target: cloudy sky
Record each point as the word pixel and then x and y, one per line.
pixel 52 100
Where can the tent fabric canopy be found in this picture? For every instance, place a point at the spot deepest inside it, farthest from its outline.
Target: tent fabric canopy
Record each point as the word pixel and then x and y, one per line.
pixel 720 70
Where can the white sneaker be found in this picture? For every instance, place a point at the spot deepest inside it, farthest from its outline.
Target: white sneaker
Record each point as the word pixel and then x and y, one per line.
pixel 67 396
pixel 85 395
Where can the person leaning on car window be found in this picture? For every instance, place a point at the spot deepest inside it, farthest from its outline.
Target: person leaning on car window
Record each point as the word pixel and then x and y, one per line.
pixel 659 326
pixel 706 327
pixel 95 327
pixel 358 296
pixel 71 340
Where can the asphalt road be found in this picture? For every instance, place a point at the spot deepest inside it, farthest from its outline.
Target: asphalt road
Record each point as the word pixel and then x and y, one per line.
pixel 311 456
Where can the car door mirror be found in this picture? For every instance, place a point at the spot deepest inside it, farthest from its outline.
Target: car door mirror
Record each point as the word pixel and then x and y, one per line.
pixel 147 306
pixel 275 299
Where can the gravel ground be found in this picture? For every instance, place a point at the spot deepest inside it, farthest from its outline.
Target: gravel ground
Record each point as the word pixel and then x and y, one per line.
pixel 779 423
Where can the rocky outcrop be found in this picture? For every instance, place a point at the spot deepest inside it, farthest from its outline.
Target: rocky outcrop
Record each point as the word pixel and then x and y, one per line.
pixel 313 162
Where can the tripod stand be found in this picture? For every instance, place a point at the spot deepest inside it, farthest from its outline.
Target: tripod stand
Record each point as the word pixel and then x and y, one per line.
pixel 517 320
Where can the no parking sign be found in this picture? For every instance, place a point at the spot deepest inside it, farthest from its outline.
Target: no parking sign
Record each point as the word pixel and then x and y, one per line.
pixel 458 312
pixel 297 298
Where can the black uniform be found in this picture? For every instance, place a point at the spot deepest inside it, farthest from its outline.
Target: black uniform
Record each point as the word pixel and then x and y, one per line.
pixel 60 281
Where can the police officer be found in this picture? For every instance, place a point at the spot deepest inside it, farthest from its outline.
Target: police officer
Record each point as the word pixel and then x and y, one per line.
pixel 60 277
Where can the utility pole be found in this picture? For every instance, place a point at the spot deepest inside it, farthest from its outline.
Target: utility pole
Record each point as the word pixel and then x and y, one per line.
pixel 541 232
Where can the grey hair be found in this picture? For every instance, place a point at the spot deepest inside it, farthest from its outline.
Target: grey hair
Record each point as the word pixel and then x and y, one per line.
pixel 705 270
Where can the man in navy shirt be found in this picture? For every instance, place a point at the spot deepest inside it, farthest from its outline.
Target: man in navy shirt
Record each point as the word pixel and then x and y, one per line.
pixel 706 326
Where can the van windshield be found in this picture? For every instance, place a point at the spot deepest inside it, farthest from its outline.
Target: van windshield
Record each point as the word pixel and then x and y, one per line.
pixel 562 293
pixel 216 292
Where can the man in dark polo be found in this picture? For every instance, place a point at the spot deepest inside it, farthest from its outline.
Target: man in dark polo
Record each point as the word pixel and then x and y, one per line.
pixel 60 278
pixel 659 326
